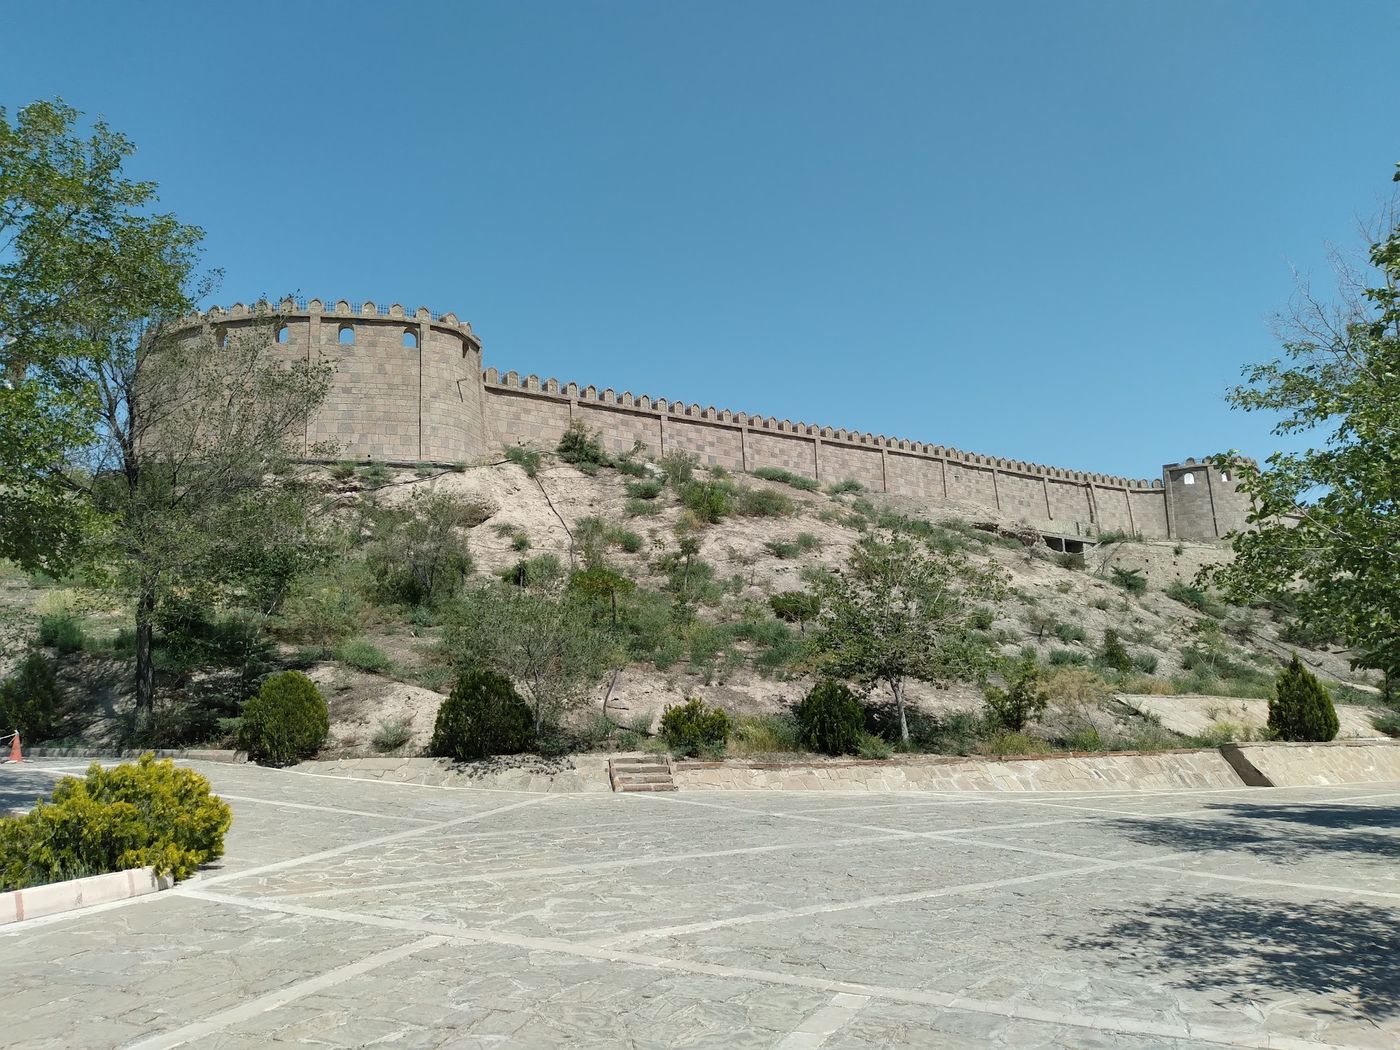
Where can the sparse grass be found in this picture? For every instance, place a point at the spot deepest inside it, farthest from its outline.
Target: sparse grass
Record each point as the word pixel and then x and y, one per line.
pixel 1194 598
pixel 526 458
pixel 802 543
pixel 640 508
pixel 764 735
pixel 62 631
pixel 363 656
pixel 648 488
pixel 392 734
pixel 374 475
pixel 844 486
pixel 787 477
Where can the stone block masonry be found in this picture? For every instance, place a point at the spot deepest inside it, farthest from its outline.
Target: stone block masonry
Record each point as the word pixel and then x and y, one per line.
pixel 409 388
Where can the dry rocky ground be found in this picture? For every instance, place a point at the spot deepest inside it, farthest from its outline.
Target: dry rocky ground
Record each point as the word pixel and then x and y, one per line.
pixel 1077 603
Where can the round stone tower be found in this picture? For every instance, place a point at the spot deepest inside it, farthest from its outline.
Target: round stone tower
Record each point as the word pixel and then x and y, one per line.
pixel 406 386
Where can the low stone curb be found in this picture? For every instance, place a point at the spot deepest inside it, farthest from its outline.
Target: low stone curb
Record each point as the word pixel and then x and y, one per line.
pixel 57 897
pixel 193 755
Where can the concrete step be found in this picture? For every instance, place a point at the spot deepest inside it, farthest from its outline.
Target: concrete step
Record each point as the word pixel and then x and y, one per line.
pixel 642 773
pixel 645 787
pixel 642 778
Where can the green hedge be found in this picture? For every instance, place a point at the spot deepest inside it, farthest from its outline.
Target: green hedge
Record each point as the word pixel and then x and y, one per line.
pixel 130 816
pixel 692 728
pixel 483 716
pixel 286 722
pixel 830 719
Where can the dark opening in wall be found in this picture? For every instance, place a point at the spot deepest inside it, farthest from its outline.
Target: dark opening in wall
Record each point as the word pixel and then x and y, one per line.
pixel 221 337
pixel 347 334
pixel 410 339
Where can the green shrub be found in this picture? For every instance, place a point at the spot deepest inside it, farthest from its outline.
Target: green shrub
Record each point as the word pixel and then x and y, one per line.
pixel 1071 561
pixel 392 734
pixel 1066 658
pixel 526 458
pixel 785 549
pixel 844 486
pixel 1114 655
pixel 482 716
pixel 62 631
pixel 764 735
pixel 640 508
pixel 1195 598
pixel 648 488
pixel 1145 663
pixel 1022 701
pixel 830 718
pixel 692 728
pixel 130 816
pixel 1067 633
pixel 787 477
pixel 629 541
pixel 709 500
pixel 375 475
pixel 797 607
pixel 363 656
pixel 872 746
pixel 1389 724
pixel 1131 580
pixel 679 467
pixel 1300 708
pixel 343 470
pixel 762 503
pixel 286 721
pixel 30 700
pixel 582 446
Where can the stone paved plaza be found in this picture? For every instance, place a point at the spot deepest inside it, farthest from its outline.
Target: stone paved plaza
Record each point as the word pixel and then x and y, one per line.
pixel 358 913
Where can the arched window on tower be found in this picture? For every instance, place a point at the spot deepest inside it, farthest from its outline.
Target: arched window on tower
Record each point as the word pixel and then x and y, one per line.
pixel 410 339
pixel 284 334
pixel 347 335
pixel 1188 479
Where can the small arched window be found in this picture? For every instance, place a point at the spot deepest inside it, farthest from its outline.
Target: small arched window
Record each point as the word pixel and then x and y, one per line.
pixel 221 336
pixel 410 339
pixel 284 334
pixel 347 335
pixel 1188 479
pixel 1225 476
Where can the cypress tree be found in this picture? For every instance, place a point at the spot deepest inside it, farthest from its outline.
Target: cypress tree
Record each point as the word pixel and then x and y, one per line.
pixel 1301 709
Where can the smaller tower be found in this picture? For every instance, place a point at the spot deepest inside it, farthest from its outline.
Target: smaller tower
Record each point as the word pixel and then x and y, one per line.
pixel 1204 503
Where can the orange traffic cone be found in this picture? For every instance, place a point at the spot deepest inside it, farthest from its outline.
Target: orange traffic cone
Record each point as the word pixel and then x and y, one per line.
pixel 15 755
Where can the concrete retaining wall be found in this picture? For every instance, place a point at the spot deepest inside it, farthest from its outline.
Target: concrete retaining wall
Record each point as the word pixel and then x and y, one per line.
pixel 1339 762
pixel 507 773
pixel 1125 771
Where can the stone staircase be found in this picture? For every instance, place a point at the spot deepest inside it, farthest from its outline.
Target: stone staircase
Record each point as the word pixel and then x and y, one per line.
pixel 641 774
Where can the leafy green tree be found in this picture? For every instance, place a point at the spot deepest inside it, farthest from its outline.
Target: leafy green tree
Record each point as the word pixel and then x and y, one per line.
pixel 30 700
pixel 82 246
pixel 1324 535
pixel 1300 708
pixel 1022 701
pixel 545 641
pixel 799 607
pixel 899 610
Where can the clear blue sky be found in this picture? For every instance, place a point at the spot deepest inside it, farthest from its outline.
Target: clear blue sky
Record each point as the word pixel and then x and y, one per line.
pixel 1050 231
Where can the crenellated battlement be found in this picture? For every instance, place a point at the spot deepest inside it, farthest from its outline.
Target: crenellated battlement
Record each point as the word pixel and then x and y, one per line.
pixel 660 406
pixel 409 387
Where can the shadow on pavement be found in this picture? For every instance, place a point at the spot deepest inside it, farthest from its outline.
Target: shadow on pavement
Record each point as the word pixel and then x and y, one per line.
pixel 1250 950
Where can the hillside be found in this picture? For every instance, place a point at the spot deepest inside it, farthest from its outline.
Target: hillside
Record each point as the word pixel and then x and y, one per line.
pixel 381 663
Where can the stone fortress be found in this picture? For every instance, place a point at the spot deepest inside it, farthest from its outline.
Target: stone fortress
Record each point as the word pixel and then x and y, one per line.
pixel 409 388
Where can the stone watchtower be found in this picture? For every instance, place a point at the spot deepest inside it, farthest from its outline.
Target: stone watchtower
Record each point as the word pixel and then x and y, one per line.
pixel 1203 501
pixel 406 386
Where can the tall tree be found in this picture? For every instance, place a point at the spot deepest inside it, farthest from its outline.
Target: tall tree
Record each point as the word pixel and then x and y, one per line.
pixel 899 610
pixel 1325 532
pixel 79 249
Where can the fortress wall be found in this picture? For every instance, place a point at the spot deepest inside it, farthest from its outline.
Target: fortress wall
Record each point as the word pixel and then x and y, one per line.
pixel 1149 514
pixel 794 452
pixel 1069 500
pixel 843 462
pixel 621 428
pixel 971 484
pixel 516 418
pixel 714 445
pixel 916 476
pixel 453 412
pixel 1022 496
